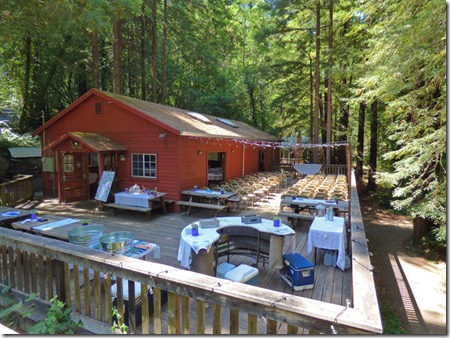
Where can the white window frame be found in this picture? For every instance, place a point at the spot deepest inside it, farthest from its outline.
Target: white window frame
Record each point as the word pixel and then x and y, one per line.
pixel 68 163
pixel 148 162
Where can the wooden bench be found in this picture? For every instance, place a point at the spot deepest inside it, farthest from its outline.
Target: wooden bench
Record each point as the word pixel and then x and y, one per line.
pixel 118 207
pixel 215 207
pixel 291 216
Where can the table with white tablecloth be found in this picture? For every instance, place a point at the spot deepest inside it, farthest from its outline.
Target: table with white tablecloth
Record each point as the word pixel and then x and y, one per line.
pixel 193 245
pixel 328 235
pixel 143 200
pixel 137 200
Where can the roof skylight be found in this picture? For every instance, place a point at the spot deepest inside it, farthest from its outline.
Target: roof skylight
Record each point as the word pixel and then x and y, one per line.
pixel 228 122
pixel 200 117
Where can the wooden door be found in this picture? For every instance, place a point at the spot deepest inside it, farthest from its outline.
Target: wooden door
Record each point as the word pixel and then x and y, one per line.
pixel 74 182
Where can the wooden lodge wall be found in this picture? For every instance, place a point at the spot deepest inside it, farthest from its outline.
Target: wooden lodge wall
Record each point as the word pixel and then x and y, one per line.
pixel 182 161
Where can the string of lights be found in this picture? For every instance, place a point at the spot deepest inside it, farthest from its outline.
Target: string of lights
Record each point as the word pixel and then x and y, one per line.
pixel 270 144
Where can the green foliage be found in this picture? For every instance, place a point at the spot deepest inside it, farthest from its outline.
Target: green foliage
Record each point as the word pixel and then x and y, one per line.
pixel 122 328
pixel 12 310
pixel 391 320
pixel 406 69
pixel 58 320
pixel 434 244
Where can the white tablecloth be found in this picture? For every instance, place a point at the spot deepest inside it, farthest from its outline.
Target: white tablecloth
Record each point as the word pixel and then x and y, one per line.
pixel 136 200
pixel 328 235
pixel 206 237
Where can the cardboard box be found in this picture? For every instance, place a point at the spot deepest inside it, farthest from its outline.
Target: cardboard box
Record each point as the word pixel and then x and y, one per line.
pixel 209 223
pixel 244 274
pixel 297 272
pixel 251 219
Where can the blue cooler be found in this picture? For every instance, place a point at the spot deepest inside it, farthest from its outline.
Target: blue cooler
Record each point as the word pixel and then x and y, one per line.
pixel 297 272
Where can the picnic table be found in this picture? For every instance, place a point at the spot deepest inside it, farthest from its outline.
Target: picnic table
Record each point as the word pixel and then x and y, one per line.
pixel 58 227
pixel 300 204
pixel 208 199
pixel 9 215
pixel 49 225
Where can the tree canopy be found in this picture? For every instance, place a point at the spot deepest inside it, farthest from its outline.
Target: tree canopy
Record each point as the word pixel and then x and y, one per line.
pixel 257 61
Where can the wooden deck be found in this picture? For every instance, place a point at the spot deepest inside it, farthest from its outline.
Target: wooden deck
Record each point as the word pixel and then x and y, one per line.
pixel 332 285
pixel 227 307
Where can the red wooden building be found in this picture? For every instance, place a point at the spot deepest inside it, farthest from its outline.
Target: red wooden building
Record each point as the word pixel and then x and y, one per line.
pixel 146 144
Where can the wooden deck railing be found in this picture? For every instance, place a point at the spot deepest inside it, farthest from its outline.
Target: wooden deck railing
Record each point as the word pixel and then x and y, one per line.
pixel 17 191
pixel 50 267
pixel 326 168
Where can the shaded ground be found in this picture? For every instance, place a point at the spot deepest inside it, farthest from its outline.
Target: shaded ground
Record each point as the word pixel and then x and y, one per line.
pixel 415 287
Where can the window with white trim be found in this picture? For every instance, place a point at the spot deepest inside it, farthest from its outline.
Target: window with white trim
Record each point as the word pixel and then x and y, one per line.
pixel 143 165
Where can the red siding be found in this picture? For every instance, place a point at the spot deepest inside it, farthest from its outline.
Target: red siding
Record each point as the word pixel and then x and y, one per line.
pixel 179 164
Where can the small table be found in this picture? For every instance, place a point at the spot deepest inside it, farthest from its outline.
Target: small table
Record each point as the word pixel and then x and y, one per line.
pixel 198 248
pixel 328 235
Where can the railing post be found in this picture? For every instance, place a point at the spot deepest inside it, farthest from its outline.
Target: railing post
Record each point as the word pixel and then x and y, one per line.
pixel 58 267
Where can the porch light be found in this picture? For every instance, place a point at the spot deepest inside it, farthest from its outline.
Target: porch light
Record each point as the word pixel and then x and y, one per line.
pixel 75 143
pixel 200 152
pixel 164 135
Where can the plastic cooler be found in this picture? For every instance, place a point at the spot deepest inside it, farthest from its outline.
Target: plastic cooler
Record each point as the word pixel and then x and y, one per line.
pixel 243 274
pixel 297 272
pixel 223 268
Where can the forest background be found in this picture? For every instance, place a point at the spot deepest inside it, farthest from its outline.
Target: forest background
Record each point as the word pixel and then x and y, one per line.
pixel 372 73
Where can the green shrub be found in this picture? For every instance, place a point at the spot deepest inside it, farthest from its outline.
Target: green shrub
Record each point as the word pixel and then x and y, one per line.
pixel 58 320
pixel 13 309
pixel 391 321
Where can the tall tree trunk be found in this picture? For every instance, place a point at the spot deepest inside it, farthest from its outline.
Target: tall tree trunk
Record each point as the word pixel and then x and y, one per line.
pixel 343 127
pixel 82 79
pixel 371 184
pixel 360 148
pixel 312 101
pixel 117 56
pixel 154 66
pixel 95 60
pixel 317 85
pixel 329 75
pixel 143 53
pixel 164 57
pixel 25 114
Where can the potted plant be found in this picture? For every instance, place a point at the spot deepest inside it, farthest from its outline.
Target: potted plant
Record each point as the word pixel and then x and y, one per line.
pixel 276 221
pixel 85 222
pixel 194 227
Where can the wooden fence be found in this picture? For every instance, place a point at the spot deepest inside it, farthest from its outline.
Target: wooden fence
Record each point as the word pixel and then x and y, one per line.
pixel 17 191
pixel 82 278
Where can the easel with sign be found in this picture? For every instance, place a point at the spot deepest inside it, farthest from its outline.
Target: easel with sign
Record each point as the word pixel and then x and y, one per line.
pixel 103 189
